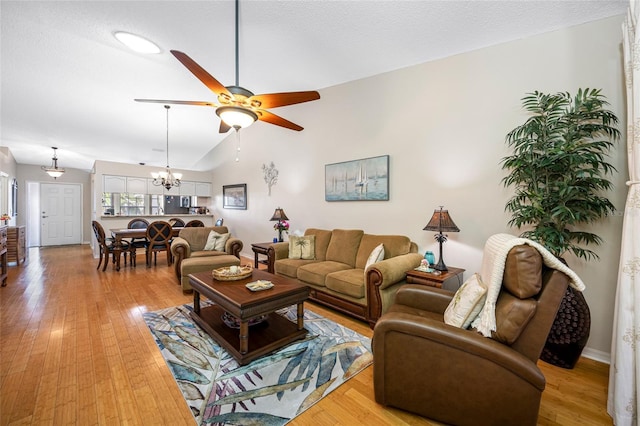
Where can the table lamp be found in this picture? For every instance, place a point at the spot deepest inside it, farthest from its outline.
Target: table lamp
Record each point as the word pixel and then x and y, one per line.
pixel 441 222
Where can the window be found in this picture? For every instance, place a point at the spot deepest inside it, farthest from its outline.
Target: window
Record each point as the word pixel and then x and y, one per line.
pixel 132 204
pixel 124 204
pixel 108 206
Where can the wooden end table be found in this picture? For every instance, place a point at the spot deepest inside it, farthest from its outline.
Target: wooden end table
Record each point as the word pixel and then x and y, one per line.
pixel 260 248
pixel 447 278
pixel 235 298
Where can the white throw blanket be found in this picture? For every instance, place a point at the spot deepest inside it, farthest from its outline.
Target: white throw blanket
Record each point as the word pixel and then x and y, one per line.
pixel 494 259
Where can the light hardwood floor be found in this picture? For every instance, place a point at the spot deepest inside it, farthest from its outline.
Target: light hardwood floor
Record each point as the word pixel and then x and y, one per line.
pixel 74 349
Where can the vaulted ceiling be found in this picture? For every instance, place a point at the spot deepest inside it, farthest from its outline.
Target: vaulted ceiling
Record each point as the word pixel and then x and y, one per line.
pixel 67 82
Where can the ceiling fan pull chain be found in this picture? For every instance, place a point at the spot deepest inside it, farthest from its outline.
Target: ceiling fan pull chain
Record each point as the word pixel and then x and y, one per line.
pixel 237 146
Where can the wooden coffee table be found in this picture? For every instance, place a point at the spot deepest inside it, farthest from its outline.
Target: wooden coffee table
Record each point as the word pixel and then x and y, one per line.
pixel 235 298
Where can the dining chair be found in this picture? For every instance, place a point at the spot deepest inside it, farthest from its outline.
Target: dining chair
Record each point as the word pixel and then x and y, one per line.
pixel 219 222
pixel 176 221
pixel 108 246
pixel 136 243
pixel 194 223
pixel 158 239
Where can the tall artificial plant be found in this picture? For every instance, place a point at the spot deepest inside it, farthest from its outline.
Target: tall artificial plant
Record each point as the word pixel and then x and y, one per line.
pixel 559 169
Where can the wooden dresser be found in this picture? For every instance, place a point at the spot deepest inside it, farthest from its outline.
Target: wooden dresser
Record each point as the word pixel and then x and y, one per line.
pixel 16 244
pixel 3 255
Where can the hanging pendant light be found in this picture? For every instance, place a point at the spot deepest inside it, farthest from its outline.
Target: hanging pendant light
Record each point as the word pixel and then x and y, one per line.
pixel 165 177
pixel 53 170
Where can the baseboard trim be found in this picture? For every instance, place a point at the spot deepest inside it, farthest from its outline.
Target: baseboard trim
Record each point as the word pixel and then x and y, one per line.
pixel 597 355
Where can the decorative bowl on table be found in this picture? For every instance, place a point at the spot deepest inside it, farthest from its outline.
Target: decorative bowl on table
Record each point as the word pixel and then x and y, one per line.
pixel 232 273
pixel 233 322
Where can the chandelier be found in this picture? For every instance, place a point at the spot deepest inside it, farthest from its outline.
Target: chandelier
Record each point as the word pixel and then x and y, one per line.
pixel 53 170
pixel 165 177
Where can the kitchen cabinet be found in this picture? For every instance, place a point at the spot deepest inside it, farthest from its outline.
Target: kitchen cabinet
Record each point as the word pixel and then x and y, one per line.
pixel 187 188
pixel 203 189
pixel 114 184
pixel 154 189
pixel 136 185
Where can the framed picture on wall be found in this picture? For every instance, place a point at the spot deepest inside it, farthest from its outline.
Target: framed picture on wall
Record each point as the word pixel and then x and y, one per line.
pixel 366 179
pixel 234 196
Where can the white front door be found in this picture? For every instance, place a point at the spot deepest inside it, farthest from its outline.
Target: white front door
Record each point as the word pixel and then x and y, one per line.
pixel 61 214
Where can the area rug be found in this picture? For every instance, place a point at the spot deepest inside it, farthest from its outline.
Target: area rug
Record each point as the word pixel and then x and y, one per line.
pixel 271 390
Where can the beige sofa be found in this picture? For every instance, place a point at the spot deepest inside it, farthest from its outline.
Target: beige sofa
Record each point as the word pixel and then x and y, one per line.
pixel 190 257
pixel 336 276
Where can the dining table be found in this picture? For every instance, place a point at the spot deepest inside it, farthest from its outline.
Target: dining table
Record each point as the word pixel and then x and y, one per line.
pixel 119 233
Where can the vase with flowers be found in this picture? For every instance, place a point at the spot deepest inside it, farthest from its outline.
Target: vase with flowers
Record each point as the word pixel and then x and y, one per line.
pixel 281 226
pixel 5 218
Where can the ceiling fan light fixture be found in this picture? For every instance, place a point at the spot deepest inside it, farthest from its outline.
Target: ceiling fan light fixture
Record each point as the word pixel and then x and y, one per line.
pixel 136 43
pixel 236 117
pixel 53 170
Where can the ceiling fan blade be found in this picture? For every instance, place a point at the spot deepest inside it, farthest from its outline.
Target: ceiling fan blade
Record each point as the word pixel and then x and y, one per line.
pixel 161 101
pixel 274 100
pixel 271 118
pixel 214 85
pixel 224 127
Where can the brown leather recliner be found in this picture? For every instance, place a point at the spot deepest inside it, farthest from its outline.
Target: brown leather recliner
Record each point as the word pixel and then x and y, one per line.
pixel 458 376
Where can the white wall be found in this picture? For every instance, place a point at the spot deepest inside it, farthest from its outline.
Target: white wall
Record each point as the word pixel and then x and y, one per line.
pixel 443 124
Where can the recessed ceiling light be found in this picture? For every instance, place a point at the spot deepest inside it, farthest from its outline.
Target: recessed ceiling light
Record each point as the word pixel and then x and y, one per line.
pixel 136 43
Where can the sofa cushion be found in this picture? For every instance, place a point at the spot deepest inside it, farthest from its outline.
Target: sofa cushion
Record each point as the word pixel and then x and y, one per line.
pixel 216 241
pixel 315 273
pixel 343 246
pixel 207 253
pixel 322 241
pixel 203 264
pixel 467 303
pixel 394 245
pixel 377 254
pixel 523 271
pixel 349 282
pixel 512 316
pixel 289 267
pixel 302 247
pixel 197 236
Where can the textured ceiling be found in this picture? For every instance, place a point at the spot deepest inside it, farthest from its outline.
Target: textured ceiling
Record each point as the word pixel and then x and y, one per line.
pixel 67 82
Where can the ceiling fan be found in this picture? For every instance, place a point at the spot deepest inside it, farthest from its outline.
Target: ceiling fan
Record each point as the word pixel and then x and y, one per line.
pixel 239 107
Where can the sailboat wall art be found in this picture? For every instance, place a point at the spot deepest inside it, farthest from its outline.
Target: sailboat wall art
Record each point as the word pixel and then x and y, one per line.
pixel 366 179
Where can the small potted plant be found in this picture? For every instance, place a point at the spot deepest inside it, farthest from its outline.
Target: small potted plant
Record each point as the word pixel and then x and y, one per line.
pixel 559 171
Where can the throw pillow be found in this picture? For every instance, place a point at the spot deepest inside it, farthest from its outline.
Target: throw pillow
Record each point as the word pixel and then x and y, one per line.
pixel 377 254
pixel 466 303
pixel 216 241
pixel 302 247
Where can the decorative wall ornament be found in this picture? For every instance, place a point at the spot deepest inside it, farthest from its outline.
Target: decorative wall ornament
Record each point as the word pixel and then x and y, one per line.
pixel 270 175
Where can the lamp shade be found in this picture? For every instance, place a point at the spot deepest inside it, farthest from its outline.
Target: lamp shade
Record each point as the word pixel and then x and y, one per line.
pixel 54 171
pixel 279 215
pixel 236 117
pixel 441 222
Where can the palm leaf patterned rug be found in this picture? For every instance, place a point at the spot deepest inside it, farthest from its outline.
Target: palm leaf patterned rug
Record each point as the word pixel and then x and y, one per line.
pixel 271 390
